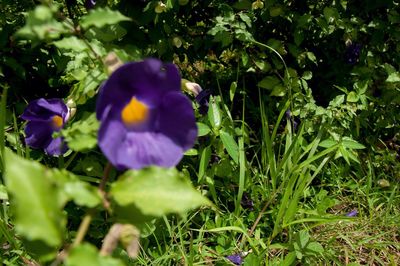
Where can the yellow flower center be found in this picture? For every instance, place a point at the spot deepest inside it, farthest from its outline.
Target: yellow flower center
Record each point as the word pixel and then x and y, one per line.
pixel 57 121
pixel 134 112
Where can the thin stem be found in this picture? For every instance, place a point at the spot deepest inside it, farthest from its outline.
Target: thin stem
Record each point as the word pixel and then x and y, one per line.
pixel 104 180
pixel 83 227
pixel 87 219
pixel 253 228
pixel 102 186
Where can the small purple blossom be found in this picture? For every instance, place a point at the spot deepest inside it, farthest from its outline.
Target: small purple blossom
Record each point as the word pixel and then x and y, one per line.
pixel 89 4
pixel 292 118
pixel 202 99
pixel 352 53
pixel 288 114
pixel 44 118
pixel 352 213
pixel 235 259
pixel 145 118
pixel 246 202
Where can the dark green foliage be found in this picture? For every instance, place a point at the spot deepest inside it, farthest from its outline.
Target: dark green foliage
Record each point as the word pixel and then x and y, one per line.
pixel 302 127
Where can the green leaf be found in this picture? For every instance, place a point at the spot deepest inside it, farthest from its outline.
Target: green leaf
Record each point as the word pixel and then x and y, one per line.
pixel 269 82
pixel 100 17
pixel 82 194
pixel 232 90
pixel 71 43
pixel 230 145
pixel 290 258
pixel 82 135
pixel 156 192
pixel 205 158
pixel 35 199
pixel 352 97
pixel 3 193
pixel 352 144
pixel 214 113
pixel 393 77
pixel 86 254
pixel 203 129
pixel 327 143
pixel 41 24
pixel 315 247
pixel 303 237
pixel 245 18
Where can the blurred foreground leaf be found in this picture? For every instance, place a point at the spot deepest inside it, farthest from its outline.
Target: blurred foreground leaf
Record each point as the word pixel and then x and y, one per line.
pixel 156 192
pixel 38 195
pixel 102 16
pixel 86 254
pixel 35 199
pixel 82 134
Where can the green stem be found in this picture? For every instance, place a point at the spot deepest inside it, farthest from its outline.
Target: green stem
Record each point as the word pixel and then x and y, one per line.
pixel 83 227
pixel 87 219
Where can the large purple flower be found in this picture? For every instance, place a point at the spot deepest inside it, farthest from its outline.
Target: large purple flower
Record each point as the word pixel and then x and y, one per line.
pixel 44 118
pixel 145 118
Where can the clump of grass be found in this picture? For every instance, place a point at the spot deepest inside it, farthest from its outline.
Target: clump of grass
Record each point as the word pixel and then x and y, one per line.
pixel 361 241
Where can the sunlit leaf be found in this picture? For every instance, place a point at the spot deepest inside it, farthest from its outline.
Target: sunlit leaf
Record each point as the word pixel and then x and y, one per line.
pixel 156 192
pixel 35 199
pixel 86 254
pixel 352 144
pixel 82 134
pixel 71 43
pixel 202 129
pixel 230 145
pixel 100 17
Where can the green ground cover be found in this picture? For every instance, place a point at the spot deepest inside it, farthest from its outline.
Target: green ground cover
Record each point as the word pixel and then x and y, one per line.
pixel 296 158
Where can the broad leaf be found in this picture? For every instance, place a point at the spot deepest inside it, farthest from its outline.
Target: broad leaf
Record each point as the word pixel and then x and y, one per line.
pixel 82 135
pixel 203 129
pixel 86 254
pixel 35 199
pixel 71 43
pixel 100 17
pixel 156 192
pixel 352 144
pixel 214 113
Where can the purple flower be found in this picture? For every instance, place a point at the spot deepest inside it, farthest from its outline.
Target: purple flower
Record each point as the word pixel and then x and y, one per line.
pixel 145 118
pixel 246 202
pixel 352 53
pixel 235 259
pixel 89 4
pixel 352 213
pixel 202 100
pixel 44 118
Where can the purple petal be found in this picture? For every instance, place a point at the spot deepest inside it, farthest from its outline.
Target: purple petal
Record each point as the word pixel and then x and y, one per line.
pixel 43 109
pixel 235 259
pixel 142 149
pixel 38 134
pixel 202 100
pixel 110 137
pixel 352 213
pixel 56 147
pixel 148 81
pixel 176 120
pixel 89 4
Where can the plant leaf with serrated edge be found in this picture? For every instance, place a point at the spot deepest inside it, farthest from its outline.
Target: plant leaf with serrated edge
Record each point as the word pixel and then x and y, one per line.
pixel 82 135
pixel 156 192
pixel 100 17
pixel 352 144
pixel 35 199
pixel 71 43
